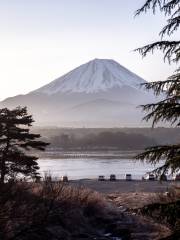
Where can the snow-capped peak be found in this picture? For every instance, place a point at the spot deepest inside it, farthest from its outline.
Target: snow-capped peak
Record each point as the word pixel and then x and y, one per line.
pixel 94 76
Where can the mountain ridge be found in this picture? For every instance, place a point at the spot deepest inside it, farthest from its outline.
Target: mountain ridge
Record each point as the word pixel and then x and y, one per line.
pixel 94 76
pixel 100 92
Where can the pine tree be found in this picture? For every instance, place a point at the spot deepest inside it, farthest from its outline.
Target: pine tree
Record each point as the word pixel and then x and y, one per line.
pixel 168 109
pixel 15 141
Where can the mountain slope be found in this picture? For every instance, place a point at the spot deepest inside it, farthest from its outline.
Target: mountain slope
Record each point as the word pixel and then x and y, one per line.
pixel 98 93
pixel 94 76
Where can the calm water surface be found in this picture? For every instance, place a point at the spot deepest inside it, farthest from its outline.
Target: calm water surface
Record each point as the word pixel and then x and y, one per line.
pixel 92 168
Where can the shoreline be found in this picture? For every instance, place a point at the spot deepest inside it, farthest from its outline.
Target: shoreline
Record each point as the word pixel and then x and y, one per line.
pixel 124 186
pixel 98 154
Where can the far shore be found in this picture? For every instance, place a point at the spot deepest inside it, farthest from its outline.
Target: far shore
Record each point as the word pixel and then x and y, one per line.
pixel 98 154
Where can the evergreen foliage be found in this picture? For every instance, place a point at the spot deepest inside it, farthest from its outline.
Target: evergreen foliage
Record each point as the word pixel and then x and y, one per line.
pixel 168 109
pixel 15 141
pixel 170 48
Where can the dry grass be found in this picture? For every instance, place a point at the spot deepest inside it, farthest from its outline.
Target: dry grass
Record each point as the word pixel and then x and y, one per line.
pixel 58 210
pixel 135 200
pixel 162 208
pixel 47 210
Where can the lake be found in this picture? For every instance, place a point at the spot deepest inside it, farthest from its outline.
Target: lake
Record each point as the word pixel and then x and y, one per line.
pixel 79 168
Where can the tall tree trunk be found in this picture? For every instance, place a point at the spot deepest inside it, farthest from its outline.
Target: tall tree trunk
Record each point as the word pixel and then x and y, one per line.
pixel 2 177
pixel 4 159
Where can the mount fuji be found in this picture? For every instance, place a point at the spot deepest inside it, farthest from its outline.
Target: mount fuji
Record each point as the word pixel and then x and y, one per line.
pixel 100 93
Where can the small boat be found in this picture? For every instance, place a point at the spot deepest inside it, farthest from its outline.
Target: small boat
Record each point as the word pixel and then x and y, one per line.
pixel 149 176
pixel 101 178
pixel 64 179
pixel 128 177
pixel 112 177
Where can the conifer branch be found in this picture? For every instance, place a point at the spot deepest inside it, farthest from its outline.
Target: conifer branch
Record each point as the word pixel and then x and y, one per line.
pixel 167 109
pixel 173 24
pixel 171 49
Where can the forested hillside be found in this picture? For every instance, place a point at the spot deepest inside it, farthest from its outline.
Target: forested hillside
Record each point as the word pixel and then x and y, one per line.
pixel 113 138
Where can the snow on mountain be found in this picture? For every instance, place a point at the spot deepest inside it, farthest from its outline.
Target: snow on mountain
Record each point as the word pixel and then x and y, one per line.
pixel 98 93
pixel 92 77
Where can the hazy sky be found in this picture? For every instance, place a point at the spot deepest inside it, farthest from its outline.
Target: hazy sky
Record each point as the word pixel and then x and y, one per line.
pixel 42 39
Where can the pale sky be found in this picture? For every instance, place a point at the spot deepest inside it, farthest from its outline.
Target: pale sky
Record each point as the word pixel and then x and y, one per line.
pixel 41 40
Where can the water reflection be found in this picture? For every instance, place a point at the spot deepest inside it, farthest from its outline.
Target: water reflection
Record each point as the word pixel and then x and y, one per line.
pixel 91 168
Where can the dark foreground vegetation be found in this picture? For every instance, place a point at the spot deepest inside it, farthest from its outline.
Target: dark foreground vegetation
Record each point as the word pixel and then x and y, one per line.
pixel 158 207
pixel 49 210
pixel 167 213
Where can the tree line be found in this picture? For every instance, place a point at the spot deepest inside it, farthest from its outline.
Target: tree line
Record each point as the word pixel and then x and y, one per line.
pixel 104 140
